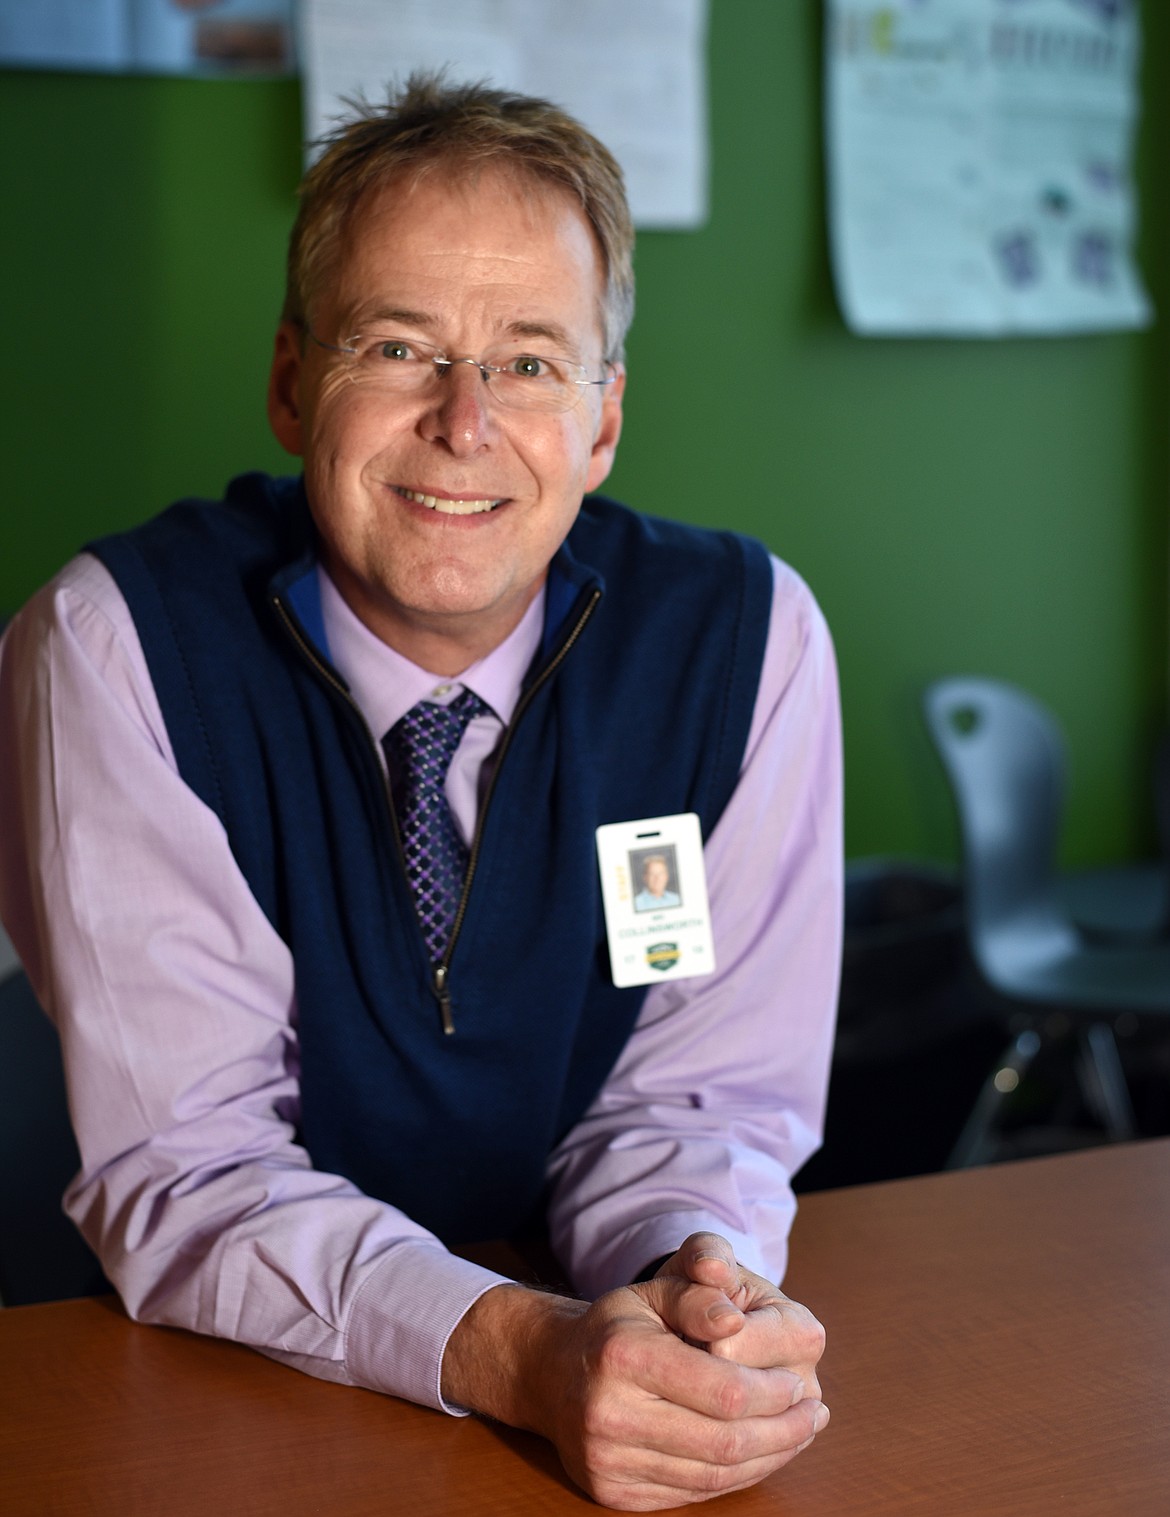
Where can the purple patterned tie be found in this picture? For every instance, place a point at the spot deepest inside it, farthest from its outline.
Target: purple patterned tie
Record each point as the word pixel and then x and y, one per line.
pixel 419 750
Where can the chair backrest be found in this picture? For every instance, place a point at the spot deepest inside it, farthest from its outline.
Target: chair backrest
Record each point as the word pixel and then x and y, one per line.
pixel 42 1255
pixel 1004 756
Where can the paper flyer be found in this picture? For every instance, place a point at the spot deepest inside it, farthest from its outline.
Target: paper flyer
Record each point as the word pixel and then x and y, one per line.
pixel 978 156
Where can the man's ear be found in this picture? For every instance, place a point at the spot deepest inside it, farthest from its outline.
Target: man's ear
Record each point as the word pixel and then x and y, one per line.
pixel 609 429
pixel 284 405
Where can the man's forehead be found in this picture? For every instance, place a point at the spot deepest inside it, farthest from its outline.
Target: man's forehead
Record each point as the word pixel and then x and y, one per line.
pixel 430 203
pixel 461 180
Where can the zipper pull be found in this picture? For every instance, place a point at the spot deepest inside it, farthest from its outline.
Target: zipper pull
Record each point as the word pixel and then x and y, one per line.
pixel 443 996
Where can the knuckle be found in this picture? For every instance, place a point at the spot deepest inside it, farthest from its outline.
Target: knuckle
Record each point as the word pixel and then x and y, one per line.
pixel 727 1446
pixel 600 1455
pixel 713 1479
pixel 614 1351
pixel 613 1494
pixel 601 1423
pixel 809 1336
pixel 731 1398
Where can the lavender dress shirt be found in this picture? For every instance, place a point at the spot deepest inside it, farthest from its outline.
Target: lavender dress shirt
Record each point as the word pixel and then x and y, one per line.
pixel 174 999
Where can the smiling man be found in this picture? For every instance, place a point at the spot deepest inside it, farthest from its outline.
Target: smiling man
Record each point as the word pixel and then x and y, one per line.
pixel 442 491
pixel 303 789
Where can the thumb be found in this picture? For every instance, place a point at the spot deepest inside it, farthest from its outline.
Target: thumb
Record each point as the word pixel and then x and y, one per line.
pixel 707 1259
pixel 700 1313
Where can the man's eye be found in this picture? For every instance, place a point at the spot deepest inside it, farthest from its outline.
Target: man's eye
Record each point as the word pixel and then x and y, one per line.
pixel 394 349
pixel 528 367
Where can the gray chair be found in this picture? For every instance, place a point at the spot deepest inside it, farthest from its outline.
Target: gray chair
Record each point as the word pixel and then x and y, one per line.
pixel 1004 758
pixel 1128 903
pixel 42 1255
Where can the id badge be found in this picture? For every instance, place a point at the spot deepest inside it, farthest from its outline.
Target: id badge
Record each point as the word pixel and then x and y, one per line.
pixel 654 888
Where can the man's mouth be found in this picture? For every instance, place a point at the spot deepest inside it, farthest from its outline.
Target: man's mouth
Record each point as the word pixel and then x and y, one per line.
pixel 449 507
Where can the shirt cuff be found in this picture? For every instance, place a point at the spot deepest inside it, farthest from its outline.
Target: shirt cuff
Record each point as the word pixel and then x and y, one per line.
pixel 403 1317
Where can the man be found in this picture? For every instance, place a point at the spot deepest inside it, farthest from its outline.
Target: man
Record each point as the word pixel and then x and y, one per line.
pixel 654 895
pixel 300 793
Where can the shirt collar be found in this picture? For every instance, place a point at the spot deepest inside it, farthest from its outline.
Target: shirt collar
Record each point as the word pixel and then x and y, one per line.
pixel 386 685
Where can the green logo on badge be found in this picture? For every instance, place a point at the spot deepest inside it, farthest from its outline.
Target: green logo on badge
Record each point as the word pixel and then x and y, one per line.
pixel 662 956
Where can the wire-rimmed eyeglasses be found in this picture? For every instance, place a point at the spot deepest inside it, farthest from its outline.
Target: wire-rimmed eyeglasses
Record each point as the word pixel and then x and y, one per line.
pixel 526 381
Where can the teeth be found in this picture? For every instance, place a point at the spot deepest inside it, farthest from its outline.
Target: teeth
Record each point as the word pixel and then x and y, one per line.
pixel 450 507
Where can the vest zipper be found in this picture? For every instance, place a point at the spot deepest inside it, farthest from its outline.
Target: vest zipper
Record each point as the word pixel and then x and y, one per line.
pixel 442 995
pixel 442 969
pixel 327 674
pixel 440 986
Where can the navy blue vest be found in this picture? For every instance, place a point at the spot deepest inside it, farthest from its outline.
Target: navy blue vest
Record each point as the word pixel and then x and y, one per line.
pixel 638 704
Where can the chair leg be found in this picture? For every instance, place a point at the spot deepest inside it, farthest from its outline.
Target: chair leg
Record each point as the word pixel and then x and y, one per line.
pixel 1102 1081
pixel 976 1143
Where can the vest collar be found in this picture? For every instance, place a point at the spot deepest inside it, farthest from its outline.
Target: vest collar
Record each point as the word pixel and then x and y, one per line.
pixel 572 588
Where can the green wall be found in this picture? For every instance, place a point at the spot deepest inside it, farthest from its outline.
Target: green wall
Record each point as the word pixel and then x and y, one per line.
pixel 980 507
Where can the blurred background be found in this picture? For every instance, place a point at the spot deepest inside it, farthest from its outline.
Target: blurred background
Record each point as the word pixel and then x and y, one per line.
pixel 992 507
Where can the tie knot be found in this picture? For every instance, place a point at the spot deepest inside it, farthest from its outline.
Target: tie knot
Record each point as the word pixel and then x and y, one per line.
pixel 423 742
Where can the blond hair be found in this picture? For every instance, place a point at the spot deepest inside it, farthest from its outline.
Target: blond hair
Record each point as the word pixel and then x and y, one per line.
pixel 468 127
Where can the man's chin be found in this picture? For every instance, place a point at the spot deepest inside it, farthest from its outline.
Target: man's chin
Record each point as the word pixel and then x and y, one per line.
pixel 447 620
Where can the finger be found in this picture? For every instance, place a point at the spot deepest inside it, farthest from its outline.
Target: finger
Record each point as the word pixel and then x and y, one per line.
pixel 677 1433
pixel 700 1313
pixel 675 1484
pixel 778 1331
pixel 666 1367
pixel 754 1289
pixel 639 1475
pixel 707 1259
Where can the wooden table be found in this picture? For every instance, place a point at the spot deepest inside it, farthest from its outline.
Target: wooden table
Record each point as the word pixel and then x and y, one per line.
pixel 999 1343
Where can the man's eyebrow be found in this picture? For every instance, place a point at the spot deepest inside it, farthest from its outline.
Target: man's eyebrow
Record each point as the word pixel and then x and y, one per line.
pixel 550 330
pixel 364 317
pixel 367 316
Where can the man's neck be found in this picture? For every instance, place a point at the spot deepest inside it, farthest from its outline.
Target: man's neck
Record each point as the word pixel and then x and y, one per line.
pixel 443 645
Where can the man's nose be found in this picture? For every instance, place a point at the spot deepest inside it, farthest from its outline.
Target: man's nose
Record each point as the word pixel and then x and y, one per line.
pixel 462 411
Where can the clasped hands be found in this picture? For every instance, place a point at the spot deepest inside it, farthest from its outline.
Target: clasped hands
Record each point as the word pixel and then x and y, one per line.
pixel 699 1381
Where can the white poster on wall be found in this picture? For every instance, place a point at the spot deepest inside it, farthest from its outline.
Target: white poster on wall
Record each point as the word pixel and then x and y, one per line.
pixel 634 74
pixel 978 158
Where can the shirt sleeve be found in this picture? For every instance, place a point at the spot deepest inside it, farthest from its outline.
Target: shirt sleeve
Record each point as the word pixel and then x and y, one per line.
pixel 719 1095
pixel 174 1000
